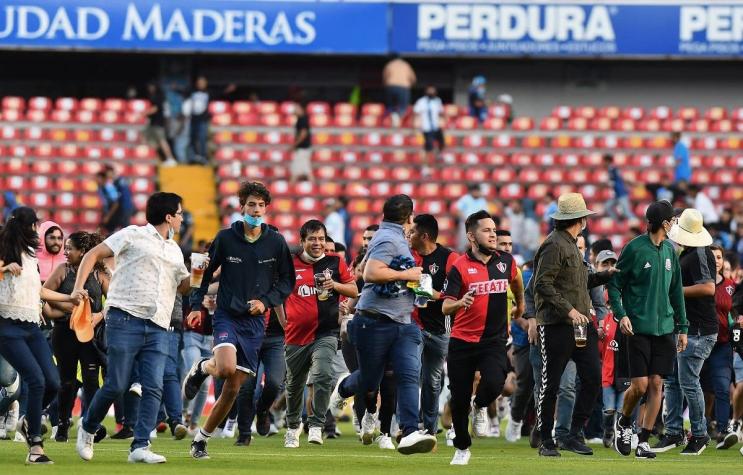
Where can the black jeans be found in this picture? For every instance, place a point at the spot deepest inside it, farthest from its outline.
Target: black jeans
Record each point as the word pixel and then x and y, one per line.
pixel 557 347
pixel 463 360
pixel 68 351
pixel 524 383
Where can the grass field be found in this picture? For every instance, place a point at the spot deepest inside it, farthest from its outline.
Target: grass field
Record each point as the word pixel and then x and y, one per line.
pixel 346 455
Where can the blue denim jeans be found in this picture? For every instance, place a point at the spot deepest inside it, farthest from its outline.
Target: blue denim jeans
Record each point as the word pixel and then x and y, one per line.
pixel 254 398
pixel 432 356
pixel 172 399
pixel 685 383
pixel 613 399
pixel 379 342
pixel 7 377
pixel 131 341
pixel 24 347
pixel 565 395
pixel 195 347
pixel 199 133
pixel 716 375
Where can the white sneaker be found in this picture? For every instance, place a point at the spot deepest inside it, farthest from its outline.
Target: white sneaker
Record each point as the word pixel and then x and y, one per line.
pixel 741 450
pixel 84 444
pixel 291 439
pixel 229 429
pixel 418 442
pixel 461 457
pixel 385 442
pixel 272 430
pixel 597 441
pixel 3 432
pixel 315 436
pixel 513 430
pixel 11 418
pixel 450 435
pixel 494 427
pixel 368 426
pixel 136 389
pixel 54 432
pixel 145 455
pixel 337 403
pixel 19 437
pixel 635 441
pixel 153 434
pixel 480 421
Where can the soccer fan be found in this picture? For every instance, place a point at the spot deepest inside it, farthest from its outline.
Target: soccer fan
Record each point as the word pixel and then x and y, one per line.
pixel 256 274
pixel 563 303
pixel 50 253
pixel 430 110
pixel 646 297
pixel 301 164
pixel 436 261
pixel 718 368
pixel 468 204
pixel 149 271
pixel 475 291
pixel 398 77
pixel 68 350
pixel 681 160
pixel 698 279
pixel 312 330
pixel 478 108
pixel 367 236
pixel 383 330
pixel 621 194
pixel 197 343
pixel 22 344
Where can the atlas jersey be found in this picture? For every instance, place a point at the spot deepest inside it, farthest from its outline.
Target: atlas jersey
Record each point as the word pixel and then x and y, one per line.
pixel 436 264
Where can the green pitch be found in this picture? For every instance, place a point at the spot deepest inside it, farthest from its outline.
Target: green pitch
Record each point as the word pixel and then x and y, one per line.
pixel 346 456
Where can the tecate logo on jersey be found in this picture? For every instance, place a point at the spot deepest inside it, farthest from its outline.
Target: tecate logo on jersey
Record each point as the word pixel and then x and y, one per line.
pixel 718 23
pixel 493 286
pixel 515 22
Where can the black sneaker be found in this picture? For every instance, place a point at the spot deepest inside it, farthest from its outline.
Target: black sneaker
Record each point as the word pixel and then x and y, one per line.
pixel 194 378
pixel 243 440
pixel 63 431
pixel 126 432
pixel 198 450
pixel 622 438
pixel 548 449
pixel 608 437
pixel 331 434
pixel 263 423
pixel 535 438
pixel 575 444
pixel 696 445
pixel 101 434
pixel 727 439
pixel 643 451
pixel 668 442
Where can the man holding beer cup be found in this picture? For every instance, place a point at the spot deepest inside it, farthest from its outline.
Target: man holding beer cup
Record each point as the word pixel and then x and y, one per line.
pixel 565 330
pixel 257 274
pixel 312 330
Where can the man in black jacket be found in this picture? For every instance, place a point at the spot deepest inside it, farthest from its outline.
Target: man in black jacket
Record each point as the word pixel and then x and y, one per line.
pixel 257 273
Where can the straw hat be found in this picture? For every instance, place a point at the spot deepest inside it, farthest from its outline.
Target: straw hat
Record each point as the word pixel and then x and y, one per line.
pixel 571 206
pixel 689 231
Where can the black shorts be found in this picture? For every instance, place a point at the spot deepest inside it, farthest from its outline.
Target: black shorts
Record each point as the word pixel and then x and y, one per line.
pixel 431 138
pixel 651 355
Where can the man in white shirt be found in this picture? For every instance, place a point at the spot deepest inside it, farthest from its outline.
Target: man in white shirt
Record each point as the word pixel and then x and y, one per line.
pixel 334 224
pixel 149 271
pixel 701 202
pixel 469 204
pixel 430 110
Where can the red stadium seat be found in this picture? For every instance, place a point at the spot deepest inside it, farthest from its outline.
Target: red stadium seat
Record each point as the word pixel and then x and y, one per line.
pixel 562 112
pixel 372 109
pixel 522 123
pixel 610 112
pixel 344 108
pixel 716 113
pixel 550 123
pixel 633 113
pixel 13 103
pixel 66 104
pixel 40 103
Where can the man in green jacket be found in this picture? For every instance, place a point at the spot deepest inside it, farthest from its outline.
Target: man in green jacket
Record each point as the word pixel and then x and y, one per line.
pixel 647 299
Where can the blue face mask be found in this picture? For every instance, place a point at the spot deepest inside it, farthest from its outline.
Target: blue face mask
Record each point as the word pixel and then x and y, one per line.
pixel 171 233
pixel 252 221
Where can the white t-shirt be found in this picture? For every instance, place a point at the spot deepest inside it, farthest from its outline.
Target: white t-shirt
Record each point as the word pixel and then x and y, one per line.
pixel 336 227
pixel 199 102
pixel 706 207
pixel 20 296
pixel 429 110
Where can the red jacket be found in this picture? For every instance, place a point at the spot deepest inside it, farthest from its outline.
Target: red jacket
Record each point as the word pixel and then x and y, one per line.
pixel 608 347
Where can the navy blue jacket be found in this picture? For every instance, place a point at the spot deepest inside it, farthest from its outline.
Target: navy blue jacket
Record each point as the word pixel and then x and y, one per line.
pixel 262 270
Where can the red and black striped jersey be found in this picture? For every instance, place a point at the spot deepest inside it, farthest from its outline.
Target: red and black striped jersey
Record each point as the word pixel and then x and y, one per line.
pixel 486 319
pixel 436 264
pixel 308 318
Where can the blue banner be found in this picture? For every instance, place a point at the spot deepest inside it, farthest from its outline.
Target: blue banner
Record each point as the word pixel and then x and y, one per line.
pixel 196 25
pixel 561 29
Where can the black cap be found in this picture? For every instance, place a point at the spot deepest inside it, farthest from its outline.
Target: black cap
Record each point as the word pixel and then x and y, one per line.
pixel 660 211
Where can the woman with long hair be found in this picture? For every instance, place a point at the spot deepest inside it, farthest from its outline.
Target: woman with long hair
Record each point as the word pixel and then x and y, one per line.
pixel 68 350
pixel 21 342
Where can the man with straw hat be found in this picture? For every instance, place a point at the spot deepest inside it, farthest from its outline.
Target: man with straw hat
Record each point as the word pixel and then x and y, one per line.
pixel 561 283
pixel 698 278
pixel 648 301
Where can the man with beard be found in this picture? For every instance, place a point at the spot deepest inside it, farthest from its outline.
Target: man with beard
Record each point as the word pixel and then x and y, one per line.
pixel 475 290
pixel 50 253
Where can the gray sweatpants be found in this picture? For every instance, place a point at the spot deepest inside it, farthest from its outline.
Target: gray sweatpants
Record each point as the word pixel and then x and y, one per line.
pixel 315 360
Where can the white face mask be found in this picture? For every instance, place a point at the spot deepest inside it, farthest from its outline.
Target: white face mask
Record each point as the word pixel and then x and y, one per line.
pixel 171 232
pixel 306 257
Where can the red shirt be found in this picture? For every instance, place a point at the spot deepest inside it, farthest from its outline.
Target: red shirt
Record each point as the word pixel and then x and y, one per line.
pixel 723 305
pixel 486 319
pixel 308 318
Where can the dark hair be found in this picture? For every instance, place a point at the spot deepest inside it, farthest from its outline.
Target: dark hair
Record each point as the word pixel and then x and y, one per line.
pixel 470 225
pixel 161 204
pixel 502 232
pixel 563 224
pixel 339 247
pixel 397 209
pixel 427 224
pixel 733 259
pixel 18 237
pixel 84 242
pixel 654 227
pixel 312 226
pixel 608 158
pixel 372 227
pixel 253 188
pixel 358 259
pixel 603 244
pixel 328 238
pixel 715 247
pixel 694 187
